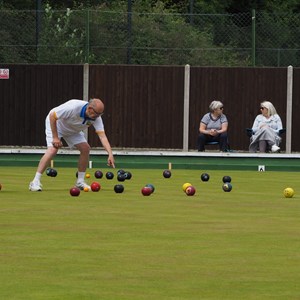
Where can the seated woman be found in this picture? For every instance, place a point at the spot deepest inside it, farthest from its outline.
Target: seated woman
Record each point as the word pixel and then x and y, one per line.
pixel 213 127
pixel 265 129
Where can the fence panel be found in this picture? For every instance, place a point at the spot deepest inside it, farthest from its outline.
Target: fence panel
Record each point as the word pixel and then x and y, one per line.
pixel 296 109
pixel 28 95
pixel 241 90
pixel 143 104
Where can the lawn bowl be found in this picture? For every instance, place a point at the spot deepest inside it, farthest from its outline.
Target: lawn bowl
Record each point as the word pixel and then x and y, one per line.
pixel 109 175
pixel 288 192
pixel 151 186
pixel 98 174
pixel 185 185
pixel 190 190
pixel 167 173
pixel 227 187
pixel 127 175
pixel 226 179
pixel 74 191
pixel 121 177
pixel 204 177
pixel 95 186
pixel 146 191
pixel 119 188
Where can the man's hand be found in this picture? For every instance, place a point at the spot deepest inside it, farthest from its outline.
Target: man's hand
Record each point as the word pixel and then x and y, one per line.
pixel 57 143
pixel 111 161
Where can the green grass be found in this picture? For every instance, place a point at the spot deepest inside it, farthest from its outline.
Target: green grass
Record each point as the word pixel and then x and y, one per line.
pixel 214 245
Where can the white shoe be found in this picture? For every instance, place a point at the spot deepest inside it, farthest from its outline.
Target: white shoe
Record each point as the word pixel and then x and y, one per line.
pixel 35 187
pixel 275 148
pixel 83 185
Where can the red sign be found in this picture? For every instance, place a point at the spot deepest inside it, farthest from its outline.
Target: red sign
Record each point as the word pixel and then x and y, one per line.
pixel 4 73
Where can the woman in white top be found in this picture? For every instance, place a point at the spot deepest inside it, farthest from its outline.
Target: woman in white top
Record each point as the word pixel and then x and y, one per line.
pixel 266 129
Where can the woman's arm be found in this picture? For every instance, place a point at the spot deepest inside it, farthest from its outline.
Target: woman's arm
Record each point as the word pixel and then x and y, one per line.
pixel 202 128
pixel 256 124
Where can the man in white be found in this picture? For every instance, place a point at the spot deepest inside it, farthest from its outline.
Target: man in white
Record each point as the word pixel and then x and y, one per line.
pixel 68 121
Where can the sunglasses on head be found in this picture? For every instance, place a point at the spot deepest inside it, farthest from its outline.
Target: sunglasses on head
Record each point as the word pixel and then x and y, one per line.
pixel 262 108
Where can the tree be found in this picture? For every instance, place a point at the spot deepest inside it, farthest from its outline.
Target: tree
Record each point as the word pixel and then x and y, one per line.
pixel 157 37
pixel 61 40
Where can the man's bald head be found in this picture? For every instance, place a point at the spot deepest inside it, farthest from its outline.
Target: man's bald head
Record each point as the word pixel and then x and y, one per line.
pixel 97 104
pixel 95 108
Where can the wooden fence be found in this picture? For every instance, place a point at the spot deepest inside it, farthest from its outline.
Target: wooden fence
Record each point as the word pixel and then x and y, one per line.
pixel 144 105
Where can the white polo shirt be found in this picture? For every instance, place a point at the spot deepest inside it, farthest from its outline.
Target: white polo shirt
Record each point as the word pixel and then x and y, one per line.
pixel 71 118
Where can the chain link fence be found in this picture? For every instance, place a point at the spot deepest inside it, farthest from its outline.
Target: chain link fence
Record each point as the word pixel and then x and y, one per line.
pixel 108 37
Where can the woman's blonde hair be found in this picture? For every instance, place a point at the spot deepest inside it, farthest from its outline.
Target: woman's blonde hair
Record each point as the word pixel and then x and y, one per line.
pixel 270 107
pixel 215 105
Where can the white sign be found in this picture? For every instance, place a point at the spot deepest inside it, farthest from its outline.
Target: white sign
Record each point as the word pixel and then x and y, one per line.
pixel 261 168
pixel 4 73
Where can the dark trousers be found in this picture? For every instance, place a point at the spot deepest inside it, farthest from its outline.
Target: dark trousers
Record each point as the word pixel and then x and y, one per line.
pixel 205 138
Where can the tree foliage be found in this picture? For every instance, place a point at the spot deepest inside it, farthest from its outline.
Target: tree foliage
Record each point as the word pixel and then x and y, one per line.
pixel 155 37
pixel 61 40
pixel 153 32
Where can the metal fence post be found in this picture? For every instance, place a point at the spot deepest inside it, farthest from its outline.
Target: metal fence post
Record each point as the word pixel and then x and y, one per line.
pixel 129 31
pixel 253 38
pixel 191 12
pixel 87 41
pixel 38 27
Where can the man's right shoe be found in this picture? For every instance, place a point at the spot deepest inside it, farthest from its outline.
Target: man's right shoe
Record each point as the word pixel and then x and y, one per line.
pixel 34 187
pixel 83 185
pixel 275 148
